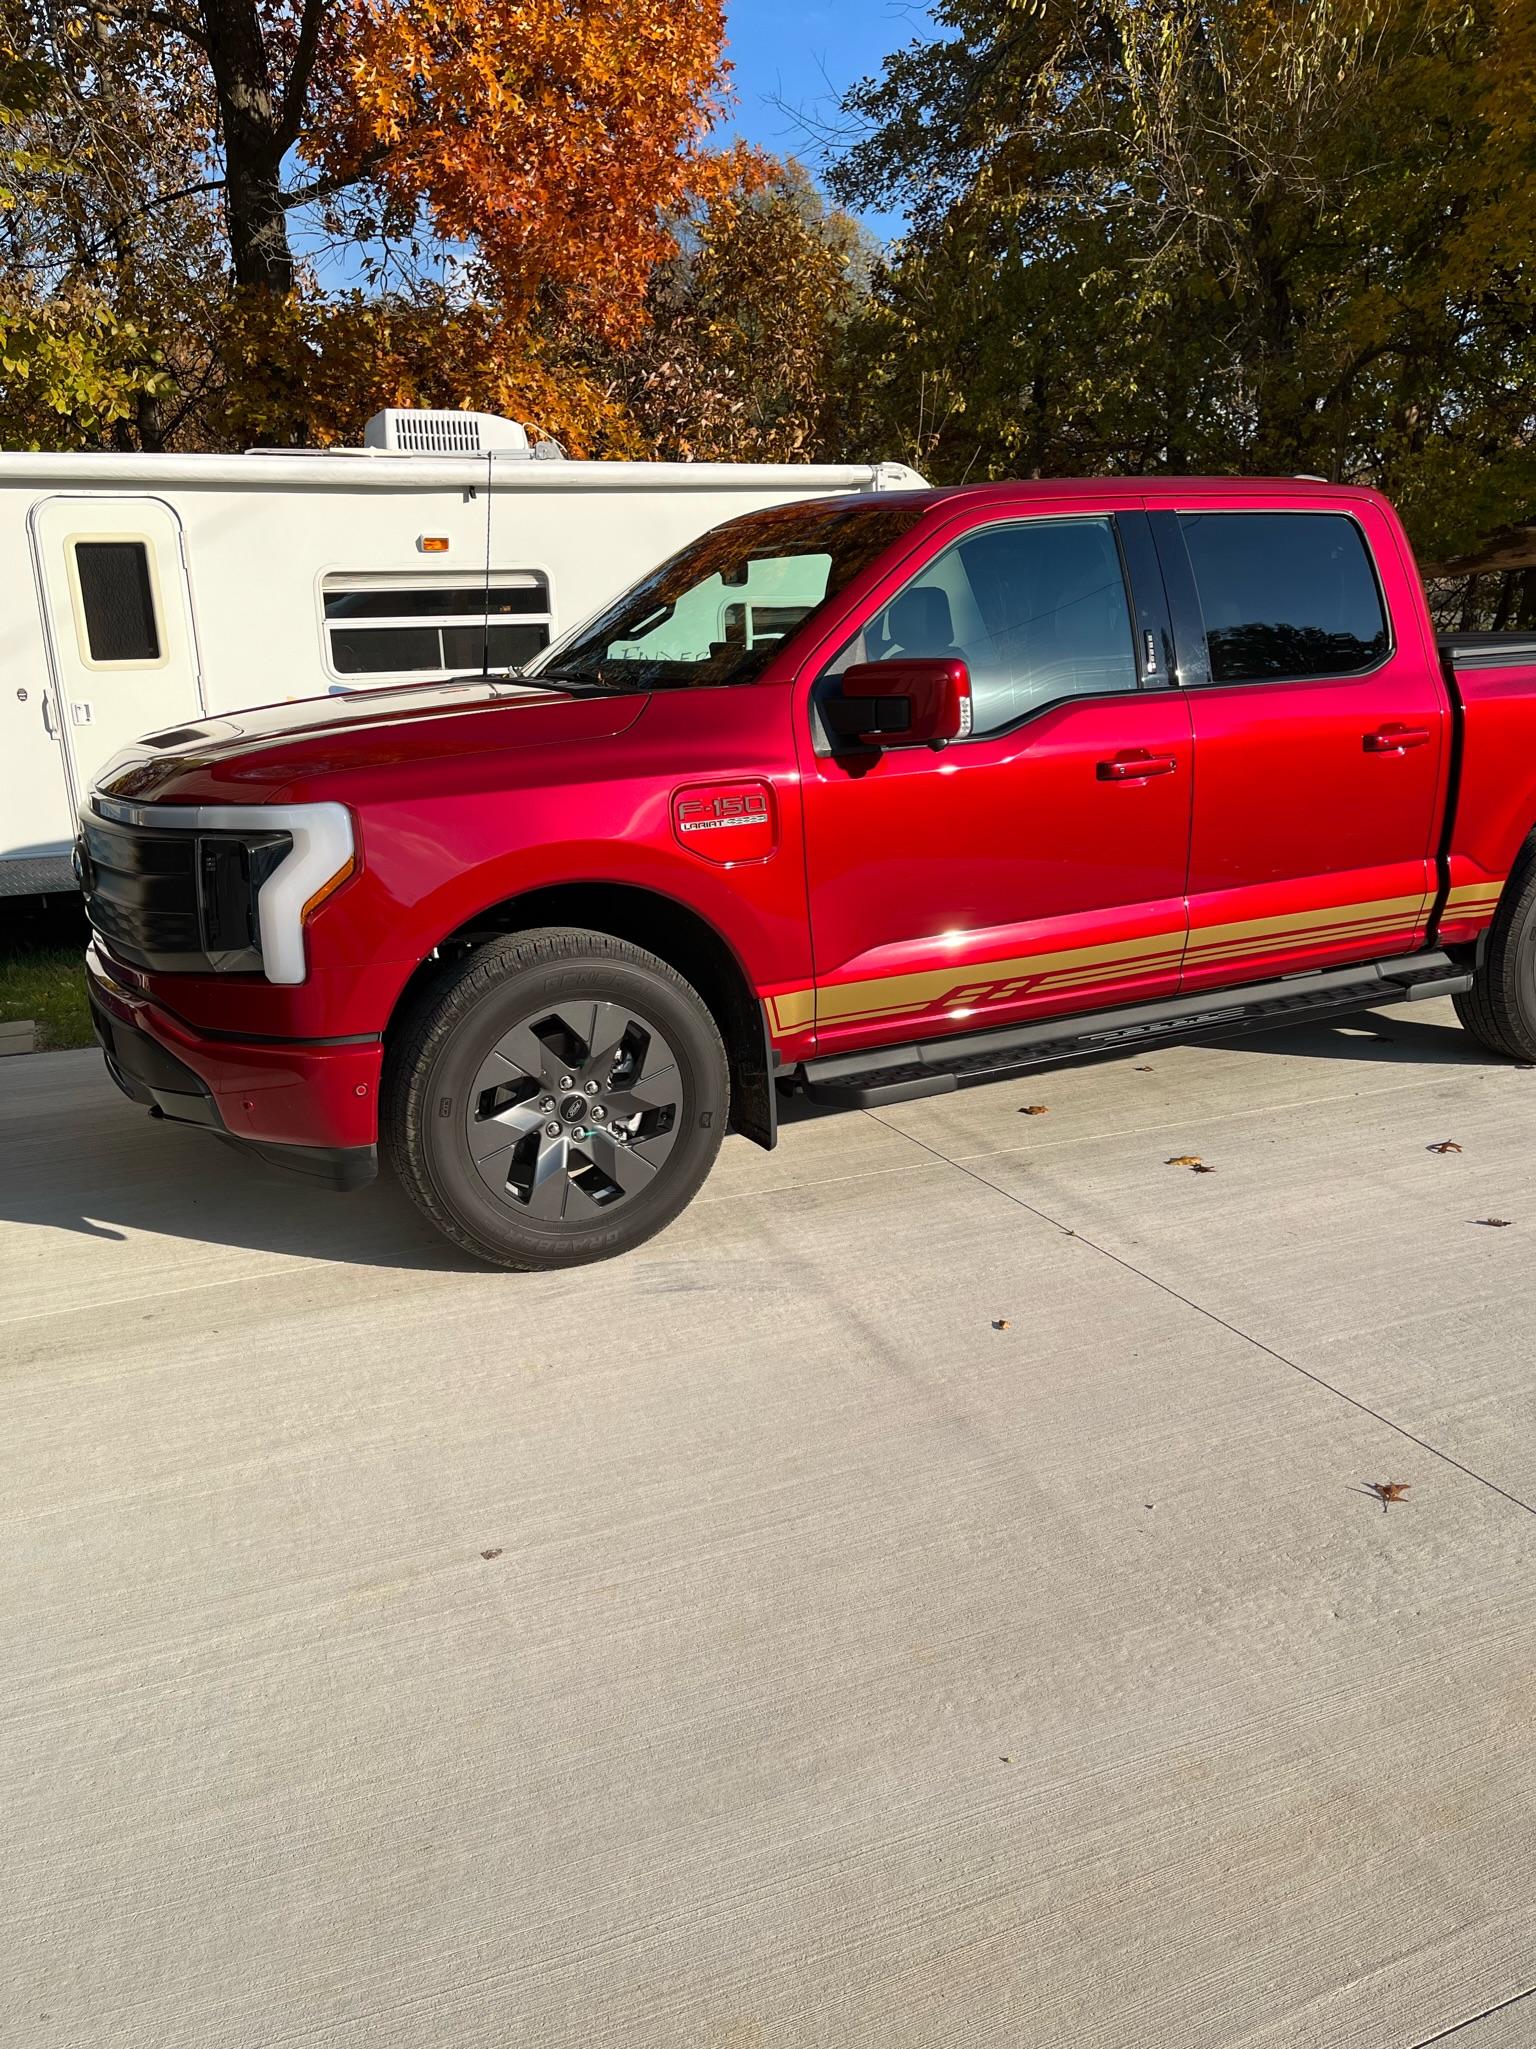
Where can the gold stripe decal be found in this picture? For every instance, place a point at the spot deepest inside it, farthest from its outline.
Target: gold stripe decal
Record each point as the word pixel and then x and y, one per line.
pixel 1056 973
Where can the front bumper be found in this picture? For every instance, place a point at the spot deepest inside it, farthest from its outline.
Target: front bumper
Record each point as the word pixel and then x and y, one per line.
pixel 312 1108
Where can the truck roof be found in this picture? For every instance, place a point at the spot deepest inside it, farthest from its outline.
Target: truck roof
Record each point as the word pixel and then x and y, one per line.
pixel 1156 488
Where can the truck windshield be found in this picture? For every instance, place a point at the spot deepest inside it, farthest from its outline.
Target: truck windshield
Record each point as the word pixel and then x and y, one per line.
pixel 720 608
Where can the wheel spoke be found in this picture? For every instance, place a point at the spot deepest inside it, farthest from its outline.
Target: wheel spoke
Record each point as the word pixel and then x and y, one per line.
pixel 502 1128
pixel 658 1091
pixel 626 1168
pixel 610 1021
pixel 551 1181
pixel 523 1049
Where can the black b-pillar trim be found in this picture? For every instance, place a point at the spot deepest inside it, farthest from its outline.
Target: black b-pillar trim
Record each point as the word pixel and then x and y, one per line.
pixel 1183 598
pixel 1154 623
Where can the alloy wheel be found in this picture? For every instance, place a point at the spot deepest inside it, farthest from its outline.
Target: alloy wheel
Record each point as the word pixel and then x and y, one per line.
pixel 574 1111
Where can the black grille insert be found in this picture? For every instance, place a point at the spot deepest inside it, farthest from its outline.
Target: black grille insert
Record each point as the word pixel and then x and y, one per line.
pixel 177 902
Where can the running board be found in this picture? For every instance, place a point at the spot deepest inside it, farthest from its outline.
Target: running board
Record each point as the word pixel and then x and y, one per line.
pixel 896 1074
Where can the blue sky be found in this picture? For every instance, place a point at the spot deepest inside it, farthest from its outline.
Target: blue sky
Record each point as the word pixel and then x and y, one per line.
pixel 805 57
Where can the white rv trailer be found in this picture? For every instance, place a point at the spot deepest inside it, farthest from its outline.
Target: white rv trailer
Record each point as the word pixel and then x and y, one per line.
pixel 143 591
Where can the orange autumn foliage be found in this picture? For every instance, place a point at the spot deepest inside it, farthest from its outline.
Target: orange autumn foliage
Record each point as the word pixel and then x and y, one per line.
pixel 333 362
pixel 550 140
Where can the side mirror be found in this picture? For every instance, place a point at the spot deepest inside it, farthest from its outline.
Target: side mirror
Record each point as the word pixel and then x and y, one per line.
pixel 905 702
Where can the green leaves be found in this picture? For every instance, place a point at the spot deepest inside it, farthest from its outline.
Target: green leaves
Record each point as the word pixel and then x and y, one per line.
pixel 1261 236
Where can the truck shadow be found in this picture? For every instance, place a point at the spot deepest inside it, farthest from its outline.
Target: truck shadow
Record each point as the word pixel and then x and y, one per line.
pixel 75 1157
pixel 79 1159
pixel 1376 1035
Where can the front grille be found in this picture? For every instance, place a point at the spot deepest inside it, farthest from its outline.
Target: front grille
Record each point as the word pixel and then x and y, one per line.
pixel 140 891
pixel 145 903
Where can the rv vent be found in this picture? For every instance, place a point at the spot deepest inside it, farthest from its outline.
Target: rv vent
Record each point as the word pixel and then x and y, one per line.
pixel 408 432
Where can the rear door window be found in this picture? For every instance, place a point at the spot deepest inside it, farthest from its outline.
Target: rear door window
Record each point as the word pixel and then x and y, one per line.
pixel 1285 595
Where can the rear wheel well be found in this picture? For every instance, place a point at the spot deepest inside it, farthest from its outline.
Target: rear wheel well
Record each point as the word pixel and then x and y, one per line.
pixel 672 932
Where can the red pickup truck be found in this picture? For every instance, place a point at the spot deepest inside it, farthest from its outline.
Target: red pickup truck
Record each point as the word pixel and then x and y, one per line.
pixel 869 799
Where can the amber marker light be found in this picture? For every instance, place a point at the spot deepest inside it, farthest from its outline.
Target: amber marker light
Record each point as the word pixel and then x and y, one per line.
pixel 433 544
pixel 347 869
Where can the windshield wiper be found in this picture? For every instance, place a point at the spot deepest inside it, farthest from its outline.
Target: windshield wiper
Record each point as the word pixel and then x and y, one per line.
pixel 570 680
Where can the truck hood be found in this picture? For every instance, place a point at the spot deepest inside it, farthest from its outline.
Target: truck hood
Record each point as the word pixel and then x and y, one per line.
pixel 245 755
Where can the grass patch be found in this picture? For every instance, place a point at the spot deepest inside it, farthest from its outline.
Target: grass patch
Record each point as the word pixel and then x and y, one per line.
pixel 47 984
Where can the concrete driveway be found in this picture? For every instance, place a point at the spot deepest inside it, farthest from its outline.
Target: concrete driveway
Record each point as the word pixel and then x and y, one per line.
pixel 749 1645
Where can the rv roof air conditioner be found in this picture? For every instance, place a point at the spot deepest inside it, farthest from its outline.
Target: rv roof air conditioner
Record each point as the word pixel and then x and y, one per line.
pixel 404 431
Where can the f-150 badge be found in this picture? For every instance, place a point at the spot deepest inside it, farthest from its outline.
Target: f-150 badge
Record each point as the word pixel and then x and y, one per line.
pixel 726 822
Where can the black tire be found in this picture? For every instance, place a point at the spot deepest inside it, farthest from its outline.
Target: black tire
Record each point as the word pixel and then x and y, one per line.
pixel 1499 1010
pixel 456 1076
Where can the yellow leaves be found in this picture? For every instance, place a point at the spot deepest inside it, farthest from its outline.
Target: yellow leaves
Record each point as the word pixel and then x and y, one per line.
pixel 348 357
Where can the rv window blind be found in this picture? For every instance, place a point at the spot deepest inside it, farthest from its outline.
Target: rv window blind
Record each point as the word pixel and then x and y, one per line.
pixel 375 627
pixel 118 601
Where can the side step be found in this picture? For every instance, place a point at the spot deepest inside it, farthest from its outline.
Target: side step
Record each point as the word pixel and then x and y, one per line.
pixel 897 1074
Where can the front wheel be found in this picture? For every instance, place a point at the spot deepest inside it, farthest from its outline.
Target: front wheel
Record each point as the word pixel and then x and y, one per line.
pixel 557 1097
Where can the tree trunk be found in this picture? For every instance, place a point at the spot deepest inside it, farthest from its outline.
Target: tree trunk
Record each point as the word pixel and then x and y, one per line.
pixel 250 128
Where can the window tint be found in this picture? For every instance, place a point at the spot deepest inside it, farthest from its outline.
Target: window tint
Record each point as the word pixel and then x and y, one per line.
pixel 376 628
pixel 1036 610
pixel 118 601
pixel 1284 594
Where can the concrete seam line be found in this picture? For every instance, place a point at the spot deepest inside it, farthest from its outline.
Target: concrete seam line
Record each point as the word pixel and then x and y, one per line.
pixel 1213 1316
pixel 1445 2034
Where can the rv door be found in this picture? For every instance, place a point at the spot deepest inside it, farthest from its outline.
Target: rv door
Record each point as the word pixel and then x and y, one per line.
pixel 117 617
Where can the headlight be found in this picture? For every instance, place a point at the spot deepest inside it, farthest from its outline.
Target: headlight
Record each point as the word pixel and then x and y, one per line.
pixel 262 870
pixel 232 870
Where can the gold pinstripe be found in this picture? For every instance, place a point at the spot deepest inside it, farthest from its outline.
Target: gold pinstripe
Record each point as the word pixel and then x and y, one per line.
pixel 1083 967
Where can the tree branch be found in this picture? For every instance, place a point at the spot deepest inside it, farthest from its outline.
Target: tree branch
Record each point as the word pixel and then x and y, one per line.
pixel 298 78
pixel 327 188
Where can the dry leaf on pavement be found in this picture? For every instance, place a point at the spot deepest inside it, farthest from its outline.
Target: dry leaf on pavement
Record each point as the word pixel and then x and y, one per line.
pixel 1035 1110
pixel 1495 1223
pixel 1446 1145
pixel 1388 1491
pixel 1192 1160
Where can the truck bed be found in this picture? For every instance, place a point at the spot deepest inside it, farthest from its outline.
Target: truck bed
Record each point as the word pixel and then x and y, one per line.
pixel 1488 650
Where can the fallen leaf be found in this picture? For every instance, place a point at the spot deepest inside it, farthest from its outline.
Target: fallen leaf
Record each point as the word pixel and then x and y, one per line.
pixel 1005 1760
pixel 1446 1145
pixel 1143 1070
pixel 495 1553
pixel 1002 1323
pixel 1192 1160
pixel 1495 1223
pixel 1035 1110
pixel 1388 1491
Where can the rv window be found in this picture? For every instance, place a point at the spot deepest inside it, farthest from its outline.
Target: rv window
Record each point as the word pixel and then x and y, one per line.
pixel 379 628
pixel 117 601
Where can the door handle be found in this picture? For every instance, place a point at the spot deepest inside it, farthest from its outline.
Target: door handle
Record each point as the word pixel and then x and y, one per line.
pixel 1134 765
pixel 48 726
pixel 1395 739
